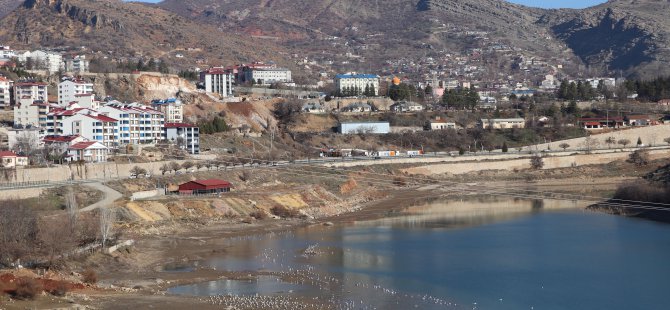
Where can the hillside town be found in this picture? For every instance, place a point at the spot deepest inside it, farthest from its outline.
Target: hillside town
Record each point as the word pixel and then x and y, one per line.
pixel 72 123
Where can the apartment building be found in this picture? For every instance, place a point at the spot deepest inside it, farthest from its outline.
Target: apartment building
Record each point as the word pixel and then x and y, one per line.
pixel 137 123
pixel 186 136
pixel 357 81
pixel 69 89
pixel 76 64
pixel 217 80
pixel 33 90
pixel 172 108
pixel 5 92
pixel 31 113
pixel 267 76
pixel 92 126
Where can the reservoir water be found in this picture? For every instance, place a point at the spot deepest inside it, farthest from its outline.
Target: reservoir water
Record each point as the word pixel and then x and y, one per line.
pixel 470 254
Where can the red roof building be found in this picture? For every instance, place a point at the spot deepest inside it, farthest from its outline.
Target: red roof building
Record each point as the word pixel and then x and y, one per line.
pixel 199 187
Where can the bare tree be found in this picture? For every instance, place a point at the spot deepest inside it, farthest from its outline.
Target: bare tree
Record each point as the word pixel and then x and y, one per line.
pixel 174 166
pixel 610 141
pixel 107 218
pixel 165 168
pixel 564 146
pixel 72 209
pixel 138 171
pixel 623 142
pixel 187 165
pixel 667 140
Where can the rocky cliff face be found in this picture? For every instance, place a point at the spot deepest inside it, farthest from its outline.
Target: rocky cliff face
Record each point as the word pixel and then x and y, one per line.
pixel 623 36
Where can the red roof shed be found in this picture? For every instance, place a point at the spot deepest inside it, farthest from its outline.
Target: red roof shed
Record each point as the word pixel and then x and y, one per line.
pixel 205 186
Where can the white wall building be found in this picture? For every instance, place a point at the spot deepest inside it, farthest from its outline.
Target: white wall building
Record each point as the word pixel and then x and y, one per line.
pixel 359 81
pixel 503 123
pixel 5 92
pixel 90 151
pixel 266 76
pixel 93 126
pixel 137 123
pixel 217 80
pixel 69 89
pixel 172 108
pixel 50 61
pixel 76 64
pixel 32 90
pixel 186 135
pixel 31 113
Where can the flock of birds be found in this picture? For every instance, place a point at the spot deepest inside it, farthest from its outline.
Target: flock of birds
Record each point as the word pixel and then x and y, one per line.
pixel 321 290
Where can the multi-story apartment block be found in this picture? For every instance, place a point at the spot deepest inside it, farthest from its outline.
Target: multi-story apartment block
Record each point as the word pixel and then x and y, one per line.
pixel 31 113
pixel 76 64
pixel 94 127
pixel 57 116
pixel 69 89
pixel 138 124
pixel 50 61
pixel 5 92
pixel 217 80
pixel 172 108
pixel 186 136
pixel 357 81
pixel 266 76
pixel 32 90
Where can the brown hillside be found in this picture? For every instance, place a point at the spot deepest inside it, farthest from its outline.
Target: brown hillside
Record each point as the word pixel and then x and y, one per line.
pixel 122 28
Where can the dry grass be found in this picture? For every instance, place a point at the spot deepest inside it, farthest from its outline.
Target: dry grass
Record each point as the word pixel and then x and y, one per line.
pixel 90 276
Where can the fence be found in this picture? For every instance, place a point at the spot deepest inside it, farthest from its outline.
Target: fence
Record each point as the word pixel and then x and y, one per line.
pixel 23 184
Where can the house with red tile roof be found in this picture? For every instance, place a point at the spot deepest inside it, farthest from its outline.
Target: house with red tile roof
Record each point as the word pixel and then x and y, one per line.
pixel 9 159
pixel 89 151
pixel 93 126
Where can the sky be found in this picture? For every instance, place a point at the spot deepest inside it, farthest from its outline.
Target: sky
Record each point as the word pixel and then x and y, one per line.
pixel 576 4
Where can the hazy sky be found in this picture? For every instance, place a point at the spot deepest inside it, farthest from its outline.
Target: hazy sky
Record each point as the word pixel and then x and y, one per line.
pixel 535 3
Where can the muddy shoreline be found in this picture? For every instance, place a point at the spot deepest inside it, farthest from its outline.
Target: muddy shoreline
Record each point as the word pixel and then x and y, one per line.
pixel 137 276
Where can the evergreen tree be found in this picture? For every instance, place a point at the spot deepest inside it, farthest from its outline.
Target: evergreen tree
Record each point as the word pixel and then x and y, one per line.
pixel 373 91
pixel 366 92
pixel 504 147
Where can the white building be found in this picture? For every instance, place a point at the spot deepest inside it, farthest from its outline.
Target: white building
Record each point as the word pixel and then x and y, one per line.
pixel 358 81
pixel 50 61
pixel 90 151
pixel 364 127
pixel 6 52
pixel 137 123
pixel 404 106
pixel 76 64
pixel 266 76
pixel 185 135
pixel 441 125
pixel 94 127
pixel 19 137
pixel 32 90
pixel 31 113
pixel 69 89
pixel 172 108
pixel 5 92
pixel 217 80
pixel 503 123
pixel 9 159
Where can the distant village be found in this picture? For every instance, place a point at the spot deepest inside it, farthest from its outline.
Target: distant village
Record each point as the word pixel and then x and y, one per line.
pixel 82 127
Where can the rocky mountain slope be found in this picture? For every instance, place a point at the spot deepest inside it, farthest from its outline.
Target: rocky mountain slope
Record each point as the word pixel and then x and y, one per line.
pixel 7 6
pixel 632 37
pixel 624 36
pixel 122 28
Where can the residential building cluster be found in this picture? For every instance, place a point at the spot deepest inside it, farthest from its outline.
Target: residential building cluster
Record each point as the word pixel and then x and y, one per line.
pixel 50 61
pixel 80 127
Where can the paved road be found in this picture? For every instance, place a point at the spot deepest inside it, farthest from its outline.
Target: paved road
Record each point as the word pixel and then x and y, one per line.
pixel 110 196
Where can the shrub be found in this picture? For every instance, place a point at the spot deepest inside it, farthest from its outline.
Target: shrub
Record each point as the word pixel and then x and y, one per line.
pixel 536 162
pixel 27 288
pixel 90 276
pixel 639 158
pixel 60 290
pixel 399 181
pixel 259 215
pixel 284 212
